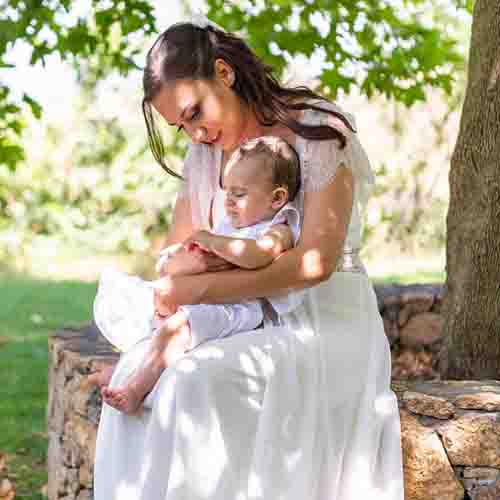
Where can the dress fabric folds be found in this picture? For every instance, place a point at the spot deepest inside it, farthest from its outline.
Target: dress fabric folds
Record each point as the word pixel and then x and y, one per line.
pixel 301 408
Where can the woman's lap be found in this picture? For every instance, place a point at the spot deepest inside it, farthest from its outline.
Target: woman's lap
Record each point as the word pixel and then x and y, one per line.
pixel 240 414
pixel 202 415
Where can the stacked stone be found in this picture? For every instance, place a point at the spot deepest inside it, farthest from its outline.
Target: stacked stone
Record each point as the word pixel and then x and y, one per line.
pixel 451 439
pixel 413 325
pixel 7 489
pixel 73 412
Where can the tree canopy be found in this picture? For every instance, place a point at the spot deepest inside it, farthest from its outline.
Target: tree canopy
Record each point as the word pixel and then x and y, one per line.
pixel 397 48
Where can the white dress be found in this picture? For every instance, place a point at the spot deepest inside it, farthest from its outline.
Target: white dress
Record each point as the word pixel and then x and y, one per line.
pixel 302 410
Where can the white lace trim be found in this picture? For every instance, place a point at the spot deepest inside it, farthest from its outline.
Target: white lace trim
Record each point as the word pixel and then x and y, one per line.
pixel 321 159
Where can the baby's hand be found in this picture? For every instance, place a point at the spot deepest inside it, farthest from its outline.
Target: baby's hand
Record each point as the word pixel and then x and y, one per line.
pixel 165 255
pixel 200 239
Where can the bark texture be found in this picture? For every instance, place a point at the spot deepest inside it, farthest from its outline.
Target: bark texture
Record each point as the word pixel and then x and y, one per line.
pixel 471 305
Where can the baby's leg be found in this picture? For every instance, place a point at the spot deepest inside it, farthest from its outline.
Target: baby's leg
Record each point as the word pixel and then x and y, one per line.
pixel 102 376
pixel 103 373
pixel 169 344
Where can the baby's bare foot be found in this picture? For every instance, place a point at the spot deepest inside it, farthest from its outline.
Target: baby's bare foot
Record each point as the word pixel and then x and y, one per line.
pixel 124 399
pixel 102 376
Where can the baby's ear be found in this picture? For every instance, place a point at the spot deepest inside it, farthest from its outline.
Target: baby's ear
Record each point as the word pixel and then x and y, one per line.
pixel 280 198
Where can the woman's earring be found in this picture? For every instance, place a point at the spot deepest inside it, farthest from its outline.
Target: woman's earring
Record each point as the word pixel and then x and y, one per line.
pixel 231 79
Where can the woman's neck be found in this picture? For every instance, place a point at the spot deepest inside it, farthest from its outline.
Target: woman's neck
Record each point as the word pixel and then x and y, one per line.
pixel 253 129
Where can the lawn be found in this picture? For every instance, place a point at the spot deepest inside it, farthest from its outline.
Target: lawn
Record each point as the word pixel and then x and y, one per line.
pixel 31 310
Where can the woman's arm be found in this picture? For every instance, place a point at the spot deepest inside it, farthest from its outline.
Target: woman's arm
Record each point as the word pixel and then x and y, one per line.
pixel 326 219
pixel 182 262
pixel 182 225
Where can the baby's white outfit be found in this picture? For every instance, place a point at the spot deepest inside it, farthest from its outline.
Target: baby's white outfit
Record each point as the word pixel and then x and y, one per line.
pixel 124 306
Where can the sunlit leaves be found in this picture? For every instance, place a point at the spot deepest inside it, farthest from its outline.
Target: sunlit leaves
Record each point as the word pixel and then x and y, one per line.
pixel 101 34
pixel 34 106
pixel 394 48
pixel 11 127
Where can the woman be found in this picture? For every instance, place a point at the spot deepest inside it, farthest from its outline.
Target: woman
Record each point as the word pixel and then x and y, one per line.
pixel 301 408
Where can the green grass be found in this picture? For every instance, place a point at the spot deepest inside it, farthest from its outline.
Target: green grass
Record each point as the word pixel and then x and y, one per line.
pixel 31 310
pixel 411 278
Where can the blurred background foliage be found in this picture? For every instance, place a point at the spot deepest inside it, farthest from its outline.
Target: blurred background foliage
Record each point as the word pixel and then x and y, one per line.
pixel 87 184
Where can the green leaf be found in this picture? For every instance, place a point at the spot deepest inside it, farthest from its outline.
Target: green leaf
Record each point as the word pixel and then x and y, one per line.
pixel 36 109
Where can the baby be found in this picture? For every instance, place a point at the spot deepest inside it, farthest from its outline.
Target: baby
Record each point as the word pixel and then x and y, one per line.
pixel 259 183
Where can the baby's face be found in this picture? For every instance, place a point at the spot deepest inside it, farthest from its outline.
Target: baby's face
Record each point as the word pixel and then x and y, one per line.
pixel 249 193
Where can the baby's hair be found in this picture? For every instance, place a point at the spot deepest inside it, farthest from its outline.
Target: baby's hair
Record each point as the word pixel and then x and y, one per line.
pixel 277 155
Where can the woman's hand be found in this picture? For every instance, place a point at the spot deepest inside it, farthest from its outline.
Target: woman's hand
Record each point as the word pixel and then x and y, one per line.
pixel 184 262
pixel 170 292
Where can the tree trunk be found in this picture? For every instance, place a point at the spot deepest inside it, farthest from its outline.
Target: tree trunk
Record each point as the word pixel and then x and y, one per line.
pixel 472 300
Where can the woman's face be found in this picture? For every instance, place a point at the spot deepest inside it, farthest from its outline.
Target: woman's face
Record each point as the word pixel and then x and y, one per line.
pixel 208 110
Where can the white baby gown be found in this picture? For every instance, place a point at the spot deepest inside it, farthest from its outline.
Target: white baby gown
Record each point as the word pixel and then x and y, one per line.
pixel 124 304
pixel 301 410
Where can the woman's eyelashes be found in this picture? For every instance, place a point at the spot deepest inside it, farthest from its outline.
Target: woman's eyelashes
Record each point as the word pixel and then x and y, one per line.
pixel 193 116
pixel 232 194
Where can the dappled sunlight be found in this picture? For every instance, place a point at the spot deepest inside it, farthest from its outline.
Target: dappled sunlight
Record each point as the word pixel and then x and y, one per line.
pixel 186 424
pixel 207 352
pixel 177 473
pixel 211 447
pixel 265 243
pixel 264 361
pixel 293 459
pixel 185 365
pixel 127 489
pixel 247 364
pixel 385 404
pixel 146 465
pixel 312 265
pixel 207 455
pixel 254 486
pixel 237 247
pixel 255 404
pixel 252 385
pixel 286 426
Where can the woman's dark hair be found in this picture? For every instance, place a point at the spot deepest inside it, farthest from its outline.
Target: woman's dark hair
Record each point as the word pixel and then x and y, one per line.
pixel 186 51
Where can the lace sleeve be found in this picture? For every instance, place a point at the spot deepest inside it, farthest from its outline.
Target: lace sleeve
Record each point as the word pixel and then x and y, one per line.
pixel 200 174
pixel 322 158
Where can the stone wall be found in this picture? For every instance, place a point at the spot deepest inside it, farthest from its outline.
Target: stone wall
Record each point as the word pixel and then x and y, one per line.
pixel 450 432
pixel 413 325
pixel 450 429
pixel 73 411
